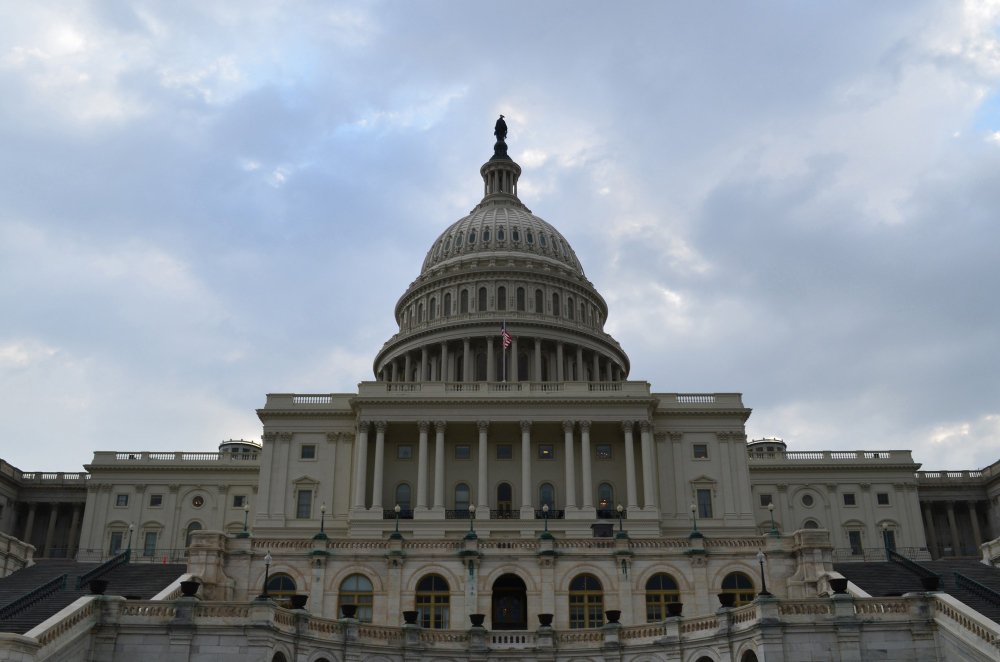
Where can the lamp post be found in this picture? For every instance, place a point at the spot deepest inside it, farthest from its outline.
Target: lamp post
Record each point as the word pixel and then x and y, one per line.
pixel 763 582
pixel 322 520
pixel 545 516
pixel 471 535
pixel 621 529
pixel 246 514
pixel 773 531
pixel 128 550
pixel 267 571
pixel 885 539
pixel 396 535
pixel 694 522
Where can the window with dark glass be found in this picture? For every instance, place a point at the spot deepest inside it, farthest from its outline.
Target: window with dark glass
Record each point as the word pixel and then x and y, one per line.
pixel 432 601
pixel 462 497
pixel 281 588
pixel 463 452
pixel 854 541
pixel 850 499
pixel 239 500
pixel 191 528
pixel 539 302
pixel 472 237
pixel 447 305
pixel 121 500
pixel 458 241
pixel 529 236
pixel 308 452
pixel 586 602
pixel 486 234
pixel 541 240
pixel 807 500
pixel 501 235
pixel 603 451
pixel 357 590
pixel 765 500
pixel 501 298
pixel 464 301
pixel 882 498
pixel 116 542
pixel 155 500
pixel 515 235
pixel 701 451
pixel 741 585
pixel 303 509
pixel 547 496
pixel 482 299
pixel 546 452
pixel 198 501
pixel 149 544
pixel 605 497
pixel 403 496
pixel 520 299
pixel 704 503
pixel 556 310
pixel 431 307
pixel 505 452
pixel 404 452
pixel 661 589
pixel 505 500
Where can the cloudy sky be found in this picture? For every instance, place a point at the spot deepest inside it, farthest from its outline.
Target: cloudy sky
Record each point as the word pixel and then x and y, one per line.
pixel 202 202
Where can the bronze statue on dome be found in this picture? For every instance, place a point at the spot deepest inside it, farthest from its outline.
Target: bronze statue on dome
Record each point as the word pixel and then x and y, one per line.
pixel 500 130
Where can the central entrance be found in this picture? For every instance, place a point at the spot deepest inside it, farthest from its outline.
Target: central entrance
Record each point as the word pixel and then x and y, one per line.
pixel 510 603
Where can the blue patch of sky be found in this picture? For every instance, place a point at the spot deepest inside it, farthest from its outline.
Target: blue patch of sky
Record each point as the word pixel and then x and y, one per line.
pixel 987 116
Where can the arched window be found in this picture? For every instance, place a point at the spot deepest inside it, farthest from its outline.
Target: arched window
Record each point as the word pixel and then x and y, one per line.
pixel 357 590
pixel 462 500
pixel 522 367
pixel 539 302
pixel 741 585
pixel 482 299
pixel 501 298
pixel 280 587
pixel 547 497
pixel 433 305
pixel 749 656
pixel 432 601
pixel 420 313
pixel 606 500
pixel 571 307
pixel 505 503
pixel 192 527
pixel 403 497
pixel 481 367
pixel 660 589
pixel 556 310
pixel 586 602
pixel 810 524
pixel 447 304
pixel 520 299
pixel 279 657
pixel 464 301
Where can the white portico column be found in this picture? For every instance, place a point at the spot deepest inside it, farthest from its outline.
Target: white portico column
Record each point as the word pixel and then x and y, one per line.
pixel 361 468
pixel 648 488
pixel 439 427
pixel 633 500
pixel 587 481
pixel 443 372
pixel 596 374
pixel 527 510
pixel 407 371
pixel 482 492
pixel 580 372
pixel 379 465
pixel 538 359
pixel 559 362
pixel 466 360
pixel 395 370
pixel 491 361
pixel 422 467
pixel 570 463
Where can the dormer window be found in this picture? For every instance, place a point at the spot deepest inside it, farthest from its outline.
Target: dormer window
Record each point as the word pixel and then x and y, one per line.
pixel 486 235
pixel 541 240
pixel 501 235
pixel 530 237
pixel 458 241
pixel 515 235
pixel 447 244
pixel 472 237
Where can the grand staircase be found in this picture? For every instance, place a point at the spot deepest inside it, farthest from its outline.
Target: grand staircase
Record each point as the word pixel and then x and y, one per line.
pixel 885 579
pixel 140 582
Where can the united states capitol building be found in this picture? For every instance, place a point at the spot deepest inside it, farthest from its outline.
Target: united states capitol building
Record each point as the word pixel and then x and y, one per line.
pixel 493 497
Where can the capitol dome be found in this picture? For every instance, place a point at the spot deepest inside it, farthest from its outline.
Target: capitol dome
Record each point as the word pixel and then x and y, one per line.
pixel 501 266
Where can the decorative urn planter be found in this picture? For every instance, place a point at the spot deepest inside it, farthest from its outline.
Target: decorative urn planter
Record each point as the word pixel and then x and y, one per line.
pixel 930 582
pixel 545 620
pixel 477 620
pixel 839 586
pixel 675 608
pixel 298 601
pixel 350 611
pixel 189 588
pixel 410 617
pixel 98 586
pixel 613 615
pixel 727 599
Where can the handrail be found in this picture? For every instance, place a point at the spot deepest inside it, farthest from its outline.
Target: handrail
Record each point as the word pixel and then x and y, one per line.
pixel 26 601
pixel 977 589
pixel 104 568
pixel 912 566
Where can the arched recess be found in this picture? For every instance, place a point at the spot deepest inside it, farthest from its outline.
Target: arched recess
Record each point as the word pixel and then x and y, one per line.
pixel 192 526
pixel 748 656
pixel 509 603
pixel 279 657
pixel 505 500
pixel 433 602
pixel 586 602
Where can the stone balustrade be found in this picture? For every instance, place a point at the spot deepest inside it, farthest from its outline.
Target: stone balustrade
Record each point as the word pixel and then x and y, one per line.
pixel 147 459
pixel 863 458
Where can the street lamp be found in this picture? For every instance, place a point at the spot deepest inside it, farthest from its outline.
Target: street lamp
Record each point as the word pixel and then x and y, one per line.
pixel 545 516
pixel 694 521
pixel 246 514
pixel 621 529
pixel 396 535
pixel 267 571
pixel 471 535
pixel 763 582
pixel 322 520
pixel 885 539
pixel 773 531
pixel 128 550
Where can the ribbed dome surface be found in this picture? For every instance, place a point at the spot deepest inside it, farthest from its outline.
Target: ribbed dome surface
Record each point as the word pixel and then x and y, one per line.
pixel 501 229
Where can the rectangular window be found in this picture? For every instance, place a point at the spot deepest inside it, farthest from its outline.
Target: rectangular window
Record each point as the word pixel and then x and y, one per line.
pixel 149 544
pixel 854 540
pixel 700 452
pixel 308 452
pixel 765 500
pixel 463 452
pixel 239 501
pixel 305 502
pixel 882 498
pixel 505 452
pixel 849 499
pixel 704 503
pixel 121 500
pixel 603 451
pixel 404 452
pixel 116 541
pixel 890 539
pixel 546 452
pixel 155 500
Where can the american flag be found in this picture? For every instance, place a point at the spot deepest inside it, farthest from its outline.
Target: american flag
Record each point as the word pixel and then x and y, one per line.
pixel 506 336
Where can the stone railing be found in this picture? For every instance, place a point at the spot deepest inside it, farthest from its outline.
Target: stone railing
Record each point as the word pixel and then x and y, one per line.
pixel 852 457
pixel 155 459
pixel 65 626
pixel 966 626
pixel 503 389
pixel 14 554
pixel 57 478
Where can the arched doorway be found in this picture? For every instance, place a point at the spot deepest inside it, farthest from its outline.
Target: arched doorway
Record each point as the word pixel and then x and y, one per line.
pixel 510 603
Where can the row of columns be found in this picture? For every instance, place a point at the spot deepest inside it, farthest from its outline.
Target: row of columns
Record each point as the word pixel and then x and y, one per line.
pixel 71 542
pixel 422 506
pixel 929 526
pixel 435 365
